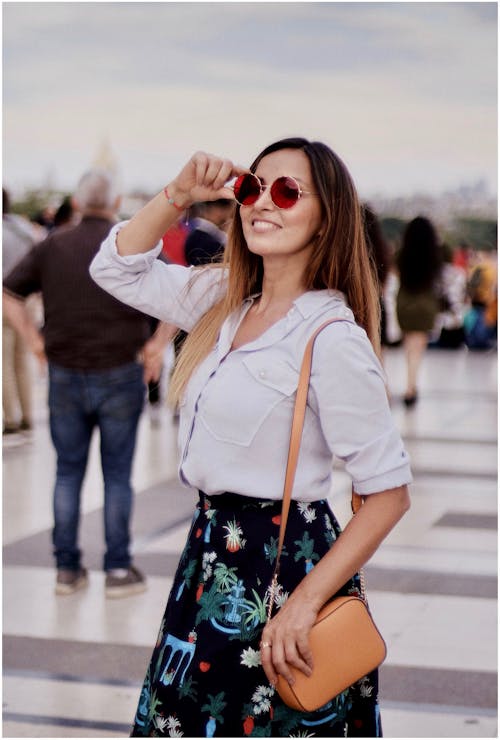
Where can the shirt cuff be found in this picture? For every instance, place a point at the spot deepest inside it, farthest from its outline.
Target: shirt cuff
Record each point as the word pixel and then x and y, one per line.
pixel 384 482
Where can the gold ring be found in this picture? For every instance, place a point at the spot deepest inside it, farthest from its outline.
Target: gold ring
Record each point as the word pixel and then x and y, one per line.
pixel 265 644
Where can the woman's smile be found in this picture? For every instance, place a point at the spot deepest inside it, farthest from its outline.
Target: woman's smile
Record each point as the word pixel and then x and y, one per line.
pixel 263 226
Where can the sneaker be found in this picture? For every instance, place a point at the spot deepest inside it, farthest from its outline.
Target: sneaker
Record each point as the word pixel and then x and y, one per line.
pixel 68 581
pixel 124 583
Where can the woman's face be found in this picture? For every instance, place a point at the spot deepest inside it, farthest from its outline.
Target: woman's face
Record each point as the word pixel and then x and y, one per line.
pixel 270 231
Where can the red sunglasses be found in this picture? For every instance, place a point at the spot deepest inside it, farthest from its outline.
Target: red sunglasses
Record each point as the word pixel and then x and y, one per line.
pixel 285 191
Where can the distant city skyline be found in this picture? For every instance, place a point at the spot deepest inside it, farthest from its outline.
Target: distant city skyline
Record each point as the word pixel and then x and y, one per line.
pixel 406 93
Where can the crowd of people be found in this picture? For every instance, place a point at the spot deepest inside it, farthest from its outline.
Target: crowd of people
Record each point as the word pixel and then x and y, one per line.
pixel 276 257
pixel 432 294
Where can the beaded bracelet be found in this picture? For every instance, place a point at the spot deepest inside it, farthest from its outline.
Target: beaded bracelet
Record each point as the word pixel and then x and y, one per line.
pixel 171 200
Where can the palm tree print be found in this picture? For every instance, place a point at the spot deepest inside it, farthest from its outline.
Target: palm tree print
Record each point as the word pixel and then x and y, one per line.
pixel 187 573
pixel 153 706
pixel 271 550
pixel 255 611
pixel 215 706
pixel 188 689
pixel 330 536
pixel 287 719
pixel 211 605
pixel 225 577
pixel 306 551
pixel 160 635
pixel 210 515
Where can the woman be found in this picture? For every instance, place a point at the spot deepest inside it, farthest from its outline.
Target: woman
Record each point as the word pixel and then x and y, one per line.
pixel 295 257
pixel 380 254
pixel 418 301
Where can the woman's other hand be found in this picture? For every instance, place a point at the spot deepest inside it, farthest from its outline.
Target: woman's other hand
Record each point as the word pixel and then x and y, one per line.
pixel 285 640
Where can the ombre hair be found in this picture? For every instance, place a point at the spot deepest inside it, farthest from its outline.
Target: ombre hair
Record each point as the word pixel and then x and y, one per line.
pixel 340 259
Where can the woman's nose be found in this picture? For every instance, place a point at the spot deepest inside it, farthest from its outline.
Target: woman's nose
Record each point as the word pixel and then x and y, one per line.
pixel 264 200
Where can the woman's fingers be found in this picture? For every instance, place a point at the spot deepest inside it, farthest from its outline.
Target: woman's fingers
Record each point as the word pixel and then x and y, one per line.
pixel 206 175
pixel 266 657
pixel 202 162
pixel 204 178
pixel 300 655
pixel 288 656
pixel 212 171
pixel 280 656
pixel 224 174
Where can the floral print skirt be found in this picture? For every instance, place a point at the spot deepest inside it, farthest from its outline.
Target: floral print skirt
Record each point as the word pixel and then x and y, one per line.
pixel 205 677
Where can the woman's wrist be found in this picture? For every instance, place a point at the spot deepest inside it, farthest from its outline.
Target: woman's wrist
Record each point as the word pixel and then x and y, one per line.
pixel 311 594
pixel 176 197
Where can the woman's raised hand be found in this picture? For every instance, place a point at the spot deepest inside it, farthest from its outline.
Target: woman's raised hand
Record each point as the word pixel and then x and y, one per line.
pixel 203 178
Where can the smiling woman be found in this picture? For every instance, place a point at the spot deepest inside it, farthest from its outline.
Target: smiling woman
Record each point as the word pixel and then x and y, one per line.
pixel 295 257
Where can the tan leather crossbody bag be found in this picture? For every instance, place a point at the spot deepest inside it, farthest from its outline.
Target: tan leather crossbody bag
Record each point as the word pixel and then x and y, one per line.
pixel 344 640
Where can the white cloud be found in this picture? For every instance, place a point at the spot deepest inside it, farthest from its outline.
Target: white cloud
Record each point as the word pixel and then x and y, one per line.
pixel 405 92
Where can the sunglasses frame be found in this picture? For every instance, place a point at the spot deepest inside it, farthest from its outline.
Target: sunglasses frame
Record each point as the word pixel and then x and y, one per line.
pixel 300 191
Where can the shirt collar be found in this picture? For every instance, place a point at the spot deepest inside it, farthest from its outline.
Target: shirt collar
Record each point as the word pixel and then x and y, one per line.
pixel 313 300
pixel 306 305
pixel 309 302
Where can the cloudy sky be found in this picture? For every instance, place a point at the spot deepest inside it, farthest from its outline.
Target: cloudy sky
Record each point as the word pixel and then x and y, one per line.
pixel 404 92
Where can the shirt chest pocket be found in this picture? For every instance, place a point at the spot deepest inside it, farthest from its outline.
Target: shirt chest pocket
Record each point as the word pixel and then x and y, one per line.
pixel 241 396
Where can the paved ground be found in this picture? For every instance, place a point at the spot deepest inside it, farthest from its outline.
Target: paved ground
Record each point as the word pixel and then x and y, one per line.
pixel 73 665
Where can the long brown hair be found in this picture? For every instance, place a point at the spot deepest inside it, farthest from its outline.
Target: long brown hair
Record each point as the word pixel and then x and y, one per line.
pixel 340 259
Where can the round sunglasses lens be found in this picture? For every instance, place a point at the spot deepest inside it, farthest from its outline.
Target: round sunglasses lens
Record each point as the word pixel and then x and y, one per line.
pixel 246 189
pixel 285 192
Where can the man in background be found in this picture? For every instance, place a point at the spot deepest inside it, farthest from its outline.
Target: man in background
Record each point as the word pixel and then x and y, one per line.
pixel 18 237
pixel 92 343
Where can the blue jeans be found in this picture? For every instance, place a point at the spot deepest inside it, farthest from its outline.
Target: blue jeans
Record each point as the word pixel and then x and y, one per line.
pixel 111 400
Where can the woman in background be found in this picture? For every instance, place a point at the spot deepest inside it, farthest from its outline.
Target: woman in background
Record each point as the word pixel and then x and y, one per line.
pixel 418 303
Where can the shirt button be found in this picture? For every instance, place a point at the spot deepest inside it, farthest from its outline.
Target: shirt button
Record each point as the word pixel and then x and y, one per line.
pixel 262 373
pixel 346 312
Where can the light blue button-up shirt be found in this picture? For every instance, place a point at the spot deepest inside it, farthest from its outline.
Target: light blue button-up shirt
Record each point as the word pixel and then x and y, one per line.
pixel 236 412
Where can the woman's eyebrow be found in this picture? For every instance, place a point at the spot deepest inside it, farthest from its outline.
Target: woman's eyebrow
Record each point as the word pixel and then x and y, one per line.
pixel 295 177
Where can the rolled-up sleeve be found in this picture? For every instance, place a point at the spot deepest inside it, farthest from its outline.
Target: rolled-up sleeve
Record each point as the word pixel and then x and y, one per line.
pixel 172 293
pixel 349 395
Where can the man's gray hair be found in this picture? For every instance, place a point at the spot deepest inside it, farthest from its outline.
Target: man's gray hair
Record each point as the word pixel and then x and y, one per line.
pixel 96 190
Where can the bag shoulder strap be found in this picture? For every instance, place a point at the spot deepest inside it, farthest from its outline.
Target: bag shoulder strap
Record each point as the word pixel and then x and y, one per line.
pixel 296 435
